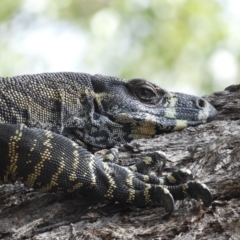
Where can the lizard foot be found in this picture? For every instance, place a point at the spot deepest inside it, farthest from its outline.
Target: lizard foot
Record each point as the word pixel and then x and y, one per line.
pixel 192 189
pixel 178 177
pixel 154 161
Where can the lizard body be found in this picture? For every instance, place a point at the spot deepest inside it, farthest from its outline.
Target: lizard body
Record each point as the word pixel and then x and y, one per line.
pixel 65 111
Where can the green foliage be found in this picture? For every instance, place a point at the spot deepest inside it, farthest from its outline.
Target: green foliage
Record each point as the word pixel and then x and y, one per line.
pixel 165 41
pixel 8 8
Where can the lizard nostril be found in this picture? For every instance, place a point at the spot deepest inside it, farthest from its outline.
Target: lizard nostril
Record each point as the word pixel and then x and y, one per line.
pixel 201 103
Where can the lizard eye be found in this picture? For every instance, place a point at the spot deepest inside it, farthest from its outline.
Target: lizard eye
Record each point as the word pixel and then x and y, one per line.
pixel 145 93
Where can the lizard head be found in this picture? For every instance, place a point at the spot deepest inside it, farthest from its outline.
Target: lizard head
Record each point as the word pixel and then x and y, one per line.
pixel 143 109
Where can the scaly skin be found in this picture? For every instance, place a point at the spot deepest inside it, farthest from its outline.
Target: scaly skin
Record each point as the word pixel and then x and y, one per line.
pixel 98 110
pixel 93 111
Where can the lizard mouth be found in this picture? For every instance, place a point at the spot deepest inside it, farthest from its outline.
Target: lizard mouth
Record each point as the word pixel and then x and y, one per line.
pixel 172 119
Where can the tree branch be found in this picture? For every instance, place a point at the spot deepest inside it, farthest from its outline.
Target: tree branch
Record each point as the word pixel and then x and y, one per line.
pixel 210 151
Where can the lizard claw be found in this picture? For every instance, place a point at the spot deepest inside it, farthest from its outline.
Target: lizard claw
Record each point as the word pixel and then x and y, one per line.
pixel 168 203
pixel 191 189
pixel 166 200
pixel 198 190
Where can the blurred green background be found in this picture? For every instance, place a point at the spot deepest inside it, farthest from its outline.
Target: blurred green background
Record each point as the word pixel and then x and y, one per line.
pixel 183 45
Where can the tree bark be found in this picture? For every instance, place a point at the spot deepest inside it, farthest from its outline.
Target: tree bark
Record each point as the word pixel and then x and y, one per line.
pixel 211 151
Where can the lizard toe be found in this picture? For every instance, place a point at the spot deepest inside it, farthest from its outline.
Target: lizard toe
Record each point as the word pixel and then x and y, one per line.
pixel 198 190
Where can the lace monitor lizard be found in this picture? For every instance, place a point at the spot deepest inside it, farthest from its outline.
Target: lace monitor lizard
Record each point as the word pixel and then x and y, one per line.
pixel 49 123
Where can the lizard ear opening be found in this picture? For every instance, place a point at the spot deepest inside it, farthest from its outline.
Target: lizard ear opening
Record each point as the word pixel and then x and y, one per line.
pixel 97 105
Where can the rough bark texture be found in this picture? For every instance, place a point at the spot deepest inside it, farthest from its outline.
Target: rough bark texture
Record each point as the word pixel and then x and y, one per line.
pixel 210 151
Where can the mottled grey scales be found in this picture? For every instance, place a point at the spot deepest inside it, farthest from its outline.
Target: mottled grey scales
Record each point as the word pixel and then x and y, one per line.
pixel 50 122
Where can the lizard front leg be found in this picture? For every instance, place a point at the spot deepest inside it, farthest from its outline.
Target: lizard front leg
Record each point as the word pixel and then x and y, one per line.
pixel 49 162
